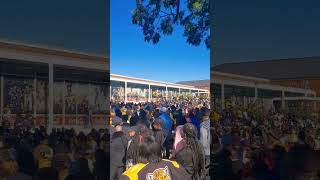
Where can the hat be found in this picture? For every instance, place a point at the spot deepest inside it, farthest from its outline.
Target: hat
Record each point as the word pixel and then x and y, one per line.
pixel 116 121
pixel 163 109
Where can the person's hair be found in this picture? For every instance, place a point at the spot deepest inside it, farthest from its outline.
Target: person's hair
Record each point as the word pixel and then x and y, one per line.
pixel 191 138
pixel 149 151
pixel 47 173
pixel 118 128
pixel 8 163
pixel 118 113
pixel 82 166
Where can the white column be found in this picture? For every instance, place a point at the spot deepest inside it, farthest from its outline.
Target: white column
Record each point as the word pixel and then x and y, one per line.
pixel 50 120
pixel 149 93
pixel 125 91
pixel 255 93
pixel 222 96
pixel 282 100
pixel 64 103
pixel 2 83
pixel 167 93
pixel 34 96
pixel 179 92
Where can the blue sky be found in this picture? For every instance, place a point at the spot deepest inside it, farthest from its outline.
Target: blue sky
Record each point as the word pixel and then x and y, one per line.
pixel 171 60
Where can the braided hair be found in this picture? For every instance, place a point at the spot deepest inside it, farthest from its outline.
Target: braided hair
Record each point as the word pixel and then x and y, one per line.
pixel 191 138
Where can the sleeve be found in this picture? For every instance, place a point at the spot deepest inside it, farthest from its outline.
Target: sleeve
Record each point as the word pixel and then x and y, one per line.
pixel 124 177
pixel 180 173
pixel 203 136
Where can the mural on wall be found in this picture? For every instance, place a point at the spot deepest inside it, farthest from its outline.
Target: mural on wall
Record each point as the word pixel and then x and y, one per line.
pixel 58 103
pixel 117 91
pixel 18 99
pixel 158 93
pixel 99 99
pixel 99 106
pixel 137 92
pixel 173 93
pixel 18 95
pixel 41 103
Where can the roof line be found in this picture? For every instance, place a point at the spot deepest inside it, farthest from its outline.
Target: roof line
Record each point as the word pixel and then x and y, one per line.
pixel 160 82
pixel 266 60
pixel 240 76
pixel 41 47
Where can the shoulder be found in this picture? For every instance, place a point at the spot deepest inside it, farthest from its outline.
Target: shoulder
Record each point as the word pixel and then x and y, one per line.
pixel 20 176
pixel 132 172
pixel 171 163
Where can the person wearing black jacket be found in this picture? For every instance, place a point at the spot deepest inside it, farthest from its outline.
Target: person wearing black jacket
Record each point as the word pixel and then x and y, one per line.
pixel 152 166
pixel 118 147
pixel 191 154
pixel 158 132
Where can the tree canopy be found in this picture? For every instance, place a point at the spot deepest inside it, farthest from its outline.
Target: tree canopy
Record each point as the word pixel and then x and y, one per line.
pixel 159 18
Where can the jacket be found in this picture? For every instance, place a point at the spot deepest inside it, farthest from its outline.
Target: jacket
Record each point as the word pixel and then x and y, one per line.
pixel 205 137
pixel 165 169
pixel 193 162
pixel 118 147
pixel 167 121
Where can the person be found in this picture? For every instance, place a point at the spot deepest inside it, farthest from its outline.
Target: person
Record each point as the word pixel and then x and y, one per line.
pixel 191 154
pixel 167 127
pixel 83 171
pixel 152 166
pixel 118 147
pixel 100 165
pixel 205 137
pixel 158 131
pixel 43 155
pixel 9 169
pixel 61 162
pixel 47 173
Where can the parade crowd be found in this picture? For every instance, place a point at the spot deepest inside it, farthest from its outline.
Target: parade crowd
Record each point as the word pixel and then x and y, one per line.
pixel 28 153
pixel 174 140
pixel 264 146
pixel 163 140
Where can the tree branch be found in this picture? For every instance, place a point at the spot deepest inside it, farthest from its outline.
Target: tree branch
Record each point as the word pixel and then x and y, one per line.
pixel 177 12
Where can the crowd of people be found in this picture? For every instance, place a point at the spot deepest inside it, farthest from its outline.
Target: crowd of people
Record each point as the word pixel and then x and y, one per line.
pixel 167 140
pixel 63 154
pixel 163 140
pixel 264 146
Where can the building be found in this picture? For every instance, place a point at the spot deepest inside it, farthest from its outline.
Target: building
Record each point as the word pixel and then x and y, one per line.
pixel 201 84
pixel 287 83
pixel 131 89
pixel 295 72
pixel 57 87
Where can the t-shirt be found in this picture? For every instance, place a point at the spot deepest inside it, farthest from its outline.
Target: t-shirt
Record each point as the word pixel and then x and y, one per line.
pixel 163 170
pixel 167 122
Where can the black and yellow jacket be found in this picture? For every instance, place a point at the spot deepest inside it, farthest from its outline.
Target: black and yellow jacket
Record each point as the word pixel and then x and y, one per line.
pixel 163 170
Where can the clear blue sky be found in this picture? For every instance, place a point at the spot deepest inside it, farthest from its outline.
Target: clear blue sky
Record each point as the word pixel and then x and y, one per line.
pixel 171 60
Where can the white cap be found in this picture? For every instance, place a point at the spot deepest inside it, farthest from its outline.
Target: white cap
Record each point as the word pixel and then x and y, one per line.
pixel 163 109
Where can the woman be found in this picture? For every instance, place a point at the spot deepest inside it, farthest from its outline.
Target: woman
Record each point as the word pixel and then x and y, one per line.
pixel 152 166
pixel 190 152
pixel 9 167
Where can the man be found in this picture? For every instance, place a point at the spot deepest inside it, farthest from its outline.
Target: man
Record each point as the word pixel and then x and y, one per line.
pixel 118 147
pixel 167 127
pixel 151 166
pixel 205 137
pixel 9 167
pixel 43 154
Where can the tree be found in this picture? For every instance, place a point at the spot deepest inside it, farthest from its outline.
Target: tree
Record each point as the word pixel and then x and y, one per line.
pixel 159 18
